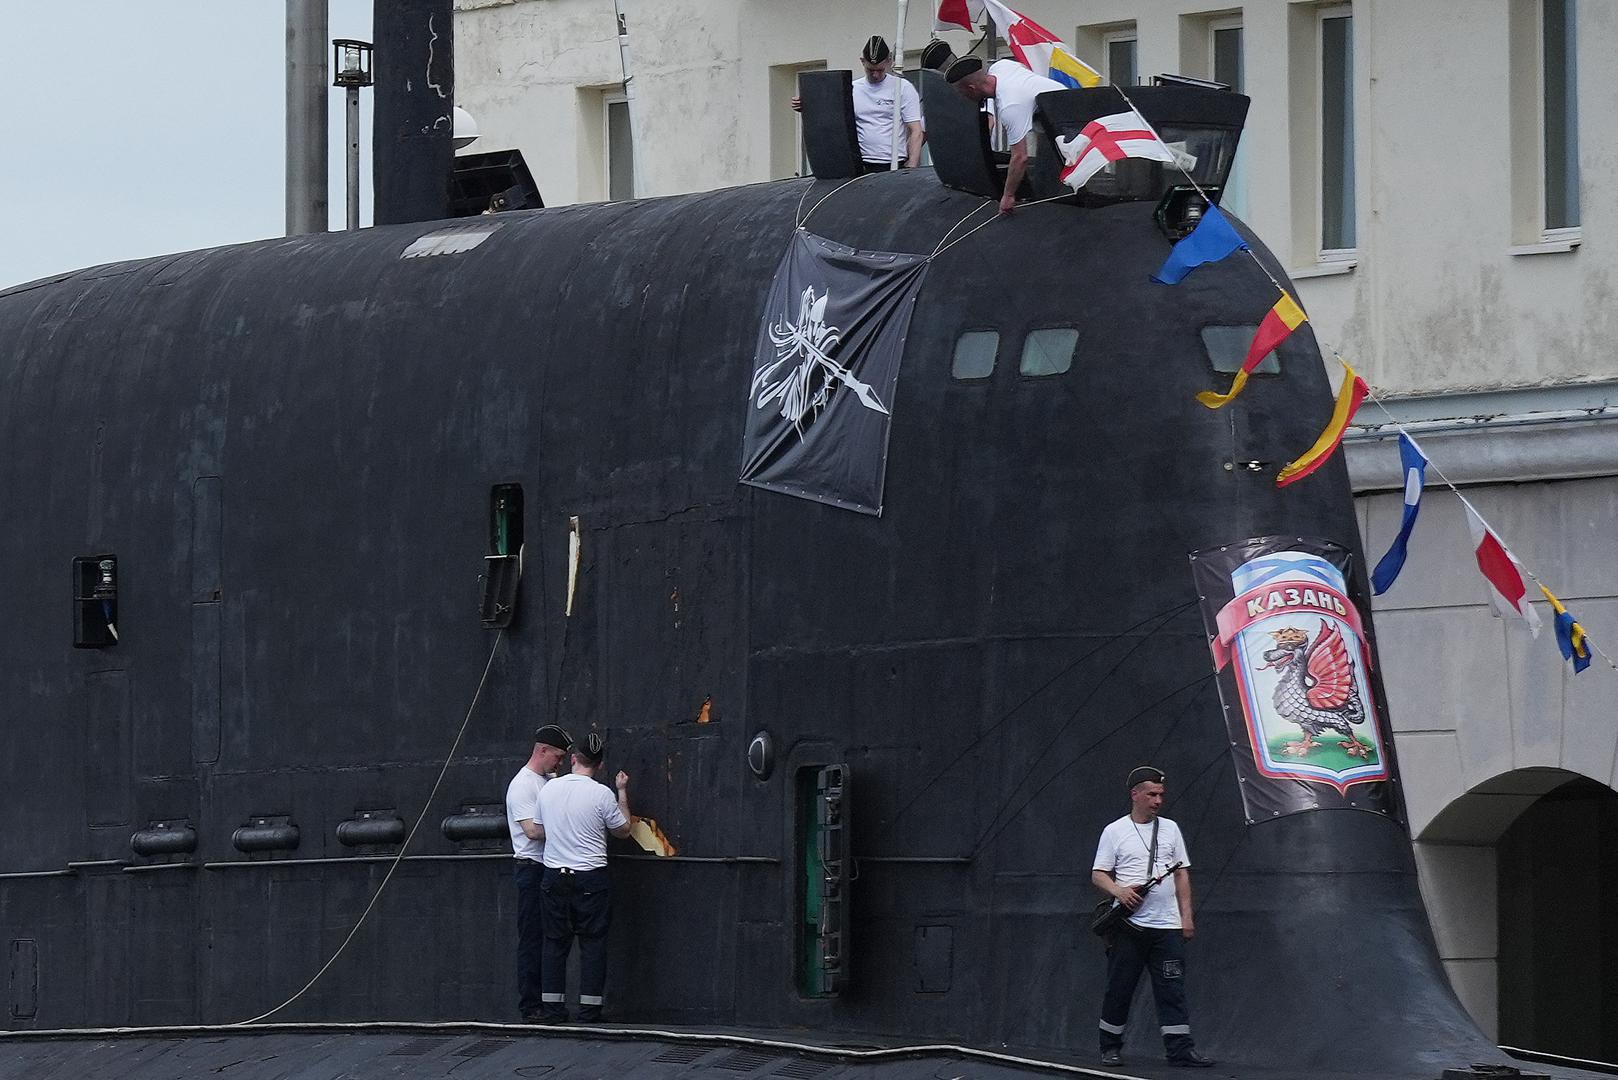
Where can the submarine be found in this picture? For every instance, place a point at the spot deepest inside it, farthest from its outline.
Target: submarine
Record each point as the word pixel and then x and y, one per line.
pixel 309 534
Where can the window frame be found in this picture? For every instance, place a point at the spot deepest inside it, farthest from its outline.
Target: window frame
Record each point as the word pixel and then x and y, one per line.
pixel 609 98
pixel 1561 233
pixel 1110 38
pixel 1325 254
pixel 1215 26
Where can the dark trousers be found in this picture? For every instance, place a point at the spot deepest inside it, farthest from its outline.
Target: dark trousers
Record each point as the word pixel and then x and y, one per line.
pixel 577 905
pixel 880 166
pixel 530 934
pixel 1162 954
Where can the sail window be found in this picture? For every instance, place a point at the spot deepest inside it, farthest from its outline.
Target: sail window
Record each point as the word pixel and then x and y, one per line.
pixel 974 354
pixel 1227 349
pixel 1048 351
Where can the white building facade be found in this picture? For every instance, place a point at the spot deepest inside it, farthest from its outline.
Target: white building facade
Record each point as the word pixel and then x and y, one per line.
pixel 1441 179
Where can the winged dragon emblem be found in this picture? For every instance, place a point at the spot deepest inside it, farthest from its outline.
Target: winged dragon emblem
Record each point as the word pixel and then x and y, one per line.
pixel 1317 691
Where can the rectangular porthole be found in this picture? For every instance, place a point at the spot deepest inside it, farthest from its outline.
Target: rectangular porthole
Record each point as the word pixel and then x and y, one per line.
pixel 95 601
pixel 505 519
pixel 1048 351
pixel 974 354
pixel 503 564
pixel 1227 349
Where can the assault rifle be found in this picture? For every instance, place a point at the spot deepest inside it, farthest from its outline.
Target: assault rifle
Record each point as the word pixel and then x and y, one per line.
pixel 1110 914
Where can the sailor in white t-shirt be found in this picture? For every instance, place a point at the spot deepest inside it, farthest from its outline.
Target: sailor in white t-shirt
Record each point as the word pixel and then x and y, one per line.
pixel 579 814
pixel 1013 89
pixel 528 849
pixel 1137 848
pixel 873 110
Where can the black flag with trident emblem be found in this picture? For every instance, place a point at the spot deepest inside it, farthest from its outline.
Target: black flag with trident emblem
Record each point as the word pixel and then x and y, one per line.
pixel 824 371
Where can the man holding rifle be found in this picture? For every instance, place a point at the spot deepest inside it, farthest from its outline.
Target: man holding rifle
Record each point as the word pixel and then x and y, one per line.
pixel 1136 852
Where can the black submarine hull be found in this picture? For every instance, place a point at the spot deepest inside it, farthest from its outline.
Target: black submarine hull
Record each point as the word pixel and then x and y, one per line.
pixel 289 446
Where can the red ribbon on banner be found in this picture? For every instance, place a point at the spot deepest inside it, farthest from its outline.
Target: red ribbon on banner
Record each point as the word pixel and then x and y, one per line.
pixel 1281 598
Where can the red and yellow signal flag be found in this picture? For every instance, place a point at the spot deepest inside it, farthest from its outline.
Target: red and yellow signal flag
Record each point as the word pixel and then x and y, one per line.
pixel 1349 399
pixel 1285 317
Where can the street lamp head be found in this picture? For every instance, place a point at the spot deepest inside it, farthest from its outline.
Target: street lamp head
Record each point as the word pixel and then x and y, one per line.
pixel 351 62
pixel 466 129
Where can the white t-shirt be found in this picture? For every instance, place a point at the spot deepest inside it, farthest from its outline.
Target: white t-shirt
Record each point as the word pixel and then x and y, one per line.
pixel 1125 849
pixel 522 804
pixel 1015 88
pixel 873 116
pixel 578 812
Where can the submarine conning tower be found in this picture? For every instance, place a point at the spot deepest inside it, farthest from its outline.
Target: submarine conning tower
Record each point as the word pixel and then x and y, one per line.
pixel 300 454
pixel 1200 120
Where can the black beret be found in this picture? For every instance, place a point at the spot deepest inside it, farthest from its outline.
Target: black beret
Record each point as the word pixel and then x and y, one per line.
pixel 876 50
pixel 966 65
pixel 592 748
pixel 1144 774
pixel 551 735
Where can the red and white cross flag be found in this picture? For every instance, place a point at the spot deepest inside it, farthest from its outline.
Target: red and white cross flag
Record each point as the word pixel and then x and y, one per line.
pixel 959 15
pixel 1508 581
pixel 1108 139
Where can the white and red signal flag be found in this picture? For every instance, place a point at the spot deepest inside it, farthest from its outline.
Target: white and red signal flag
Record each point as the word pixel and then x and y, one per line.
pixel 1108 139
pixel 1508 581
pixel 958 14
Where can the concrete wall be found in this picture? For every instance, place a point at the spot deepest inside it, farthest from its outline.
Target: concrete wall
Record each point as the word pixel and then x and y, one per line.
pixel 1487 718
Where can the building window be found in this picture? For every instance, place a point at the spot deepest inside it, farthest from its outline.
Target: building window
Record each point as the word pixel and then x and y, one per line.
pixel 787 154
pixel 1119 46
pixel 1225 53
pixel 620 156
pixel 1226 65
pixel 1336 132
pixel 974 354
pixel 1048 351
pixel 1559 68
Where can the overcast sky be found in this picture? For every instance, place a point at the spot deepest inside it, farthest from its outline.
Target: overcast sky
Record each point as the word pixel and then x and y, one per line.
pixel 143 127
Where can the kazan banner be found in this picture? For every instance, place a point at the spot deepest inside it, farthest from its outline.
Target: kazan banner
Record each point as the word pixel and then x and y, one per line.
pixel 824 372
pixel 1295 667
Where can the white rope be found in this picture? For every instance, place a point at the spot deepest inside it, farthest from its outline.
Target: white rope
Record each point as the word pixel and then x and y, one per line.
pixel 402 847
pixel 805 219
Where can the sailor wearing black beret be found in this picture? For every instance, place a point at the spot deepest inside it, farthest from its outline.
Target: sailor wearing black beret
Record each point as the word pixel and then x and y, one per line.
pixel 1136 853
pixel 579 814
pixel 873 110
pixel 528 847
pixel 1013 88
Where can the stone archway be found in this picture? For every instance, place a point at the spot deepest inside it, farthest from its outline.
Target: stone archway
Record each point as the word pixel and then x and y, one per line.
pixel 1520 876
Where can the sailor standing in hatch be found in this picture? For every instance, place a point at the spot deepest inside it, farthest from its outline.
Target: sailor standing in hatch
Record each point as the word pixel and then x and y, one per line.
pixel 873 110
pixel 579 813
pixel 1136 848
pixel 1013 89
pixel 528 847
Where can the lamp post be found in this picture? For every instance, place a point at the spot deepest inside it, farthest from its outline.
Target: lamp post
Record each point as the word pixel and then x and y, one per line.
pixel 351 60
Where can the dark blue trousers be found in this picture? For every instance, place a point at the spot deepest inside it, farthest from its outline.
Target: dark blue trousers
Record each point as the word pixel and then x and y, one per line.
pixel 577 905
pixel 1161 953
pixel 530 934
